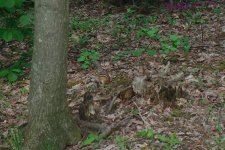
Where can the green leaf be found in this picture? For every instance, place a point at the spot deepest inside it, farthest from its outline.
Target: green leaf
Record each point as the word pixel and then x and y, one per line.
pixel 7 35
pixel 187 48
pixel 90 139
pixel 150 134
pixel 154 30
pixel 25 64
pixel 81 58
pixel 24 20
pixel 141 134
pixel 18 35
pixel 2 3
pixel 12 77
pixel 137 52
pixel 162 138
pixel 174 37
pixel 4 72
pixel 151 52
pixel 174 140
pixel 219 128
pixel 9 3
pixel 218 11
pixel 142 32
pixel 18 3
pixel 85 65
pixel 17 70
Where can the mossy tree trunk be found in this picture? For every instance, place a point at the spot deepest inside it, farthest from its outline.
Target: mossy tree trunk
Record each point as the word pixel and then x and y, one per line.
pixel 50 124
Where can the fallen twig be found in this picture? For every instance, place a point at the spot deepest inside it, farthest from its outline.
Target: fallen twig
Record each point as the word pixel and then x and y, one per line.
pixel 108 130
pixel 114 99
pixel 112 103
pixel 142 118
pixel 93 125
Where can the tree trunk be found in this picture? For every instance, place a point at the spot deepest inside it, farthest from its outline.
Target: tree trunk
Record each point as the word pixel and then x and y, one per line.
pixel 50 124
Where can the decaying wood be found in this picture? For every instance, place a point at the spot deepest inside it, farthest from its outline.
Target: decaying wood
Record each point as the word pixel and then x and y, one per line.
pixel 86 109
pixel 105 130
pixel 92 125
pixel 160 87
pixel 125 93
pixel 114 126
pixel 142 118
pixel 103 98
pixel 112 103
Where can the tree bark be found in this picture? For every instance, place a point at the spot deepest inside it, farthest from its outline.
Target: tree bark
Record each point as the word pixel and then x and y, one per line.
pixel 50 124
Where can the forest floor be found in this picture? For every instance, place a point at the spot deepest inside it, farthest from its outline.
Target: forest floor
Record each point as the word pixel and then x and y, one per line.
pixel 128 44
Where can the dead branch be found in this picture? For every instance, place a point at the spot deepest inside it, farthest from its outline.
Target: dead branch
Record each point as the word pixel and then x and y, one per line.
pixel 114 99
pixel 93 125
pixel 142 118
pixel 108 130
pixel 112 103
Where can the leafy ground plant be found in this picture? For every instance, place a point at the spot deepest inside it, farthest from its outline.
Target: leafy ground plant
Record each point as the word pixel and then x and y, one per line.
pixel 151 33
pixel 16 22
pixel 122 142
pixel 85 25
pixel 91 138
pixel 16 70
pixel 16 139
pixel 87 57
pixel 170 141
pixel 147 134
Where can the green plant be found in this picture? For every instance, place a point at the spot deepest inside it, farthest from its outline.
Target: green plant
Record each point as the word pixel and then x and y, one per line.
pixel 11 74
pixel 85 25
pixel 153 19
pixel 15 70
pixel 128 14
pixel 122 142
pixel 217 11
pixel 138 52
pixel 186 46
pixel 170 20
pixel 220 141
pixel 90 139
pixel 24 90
pixel 16 20
pixel 197 18
pixel 151 52
pixel 176 40
pixel 118 30
pixel 98 46
pixel 210 108
pixel 170 43
pixel 4 103
pixel 87 57
pixel 152 33
pixel 134 111
pixel 140 20
pixel 16 139
pixel 171 140
pixel 82 40
pixel 147 134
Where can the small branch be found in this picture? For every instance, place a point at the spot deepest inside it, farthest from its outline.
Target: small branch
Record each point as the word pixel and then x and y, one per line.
pixel 139 113
pixel 112 103
pixel 108 130
pixel 93 125
pixel 114 99
pixel 100 99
